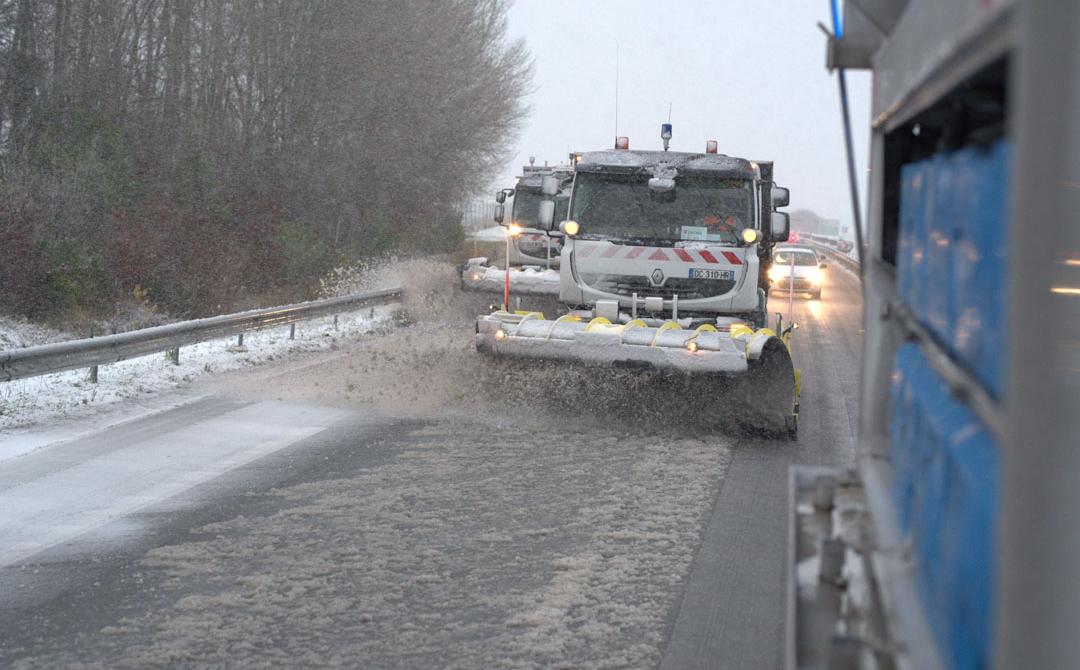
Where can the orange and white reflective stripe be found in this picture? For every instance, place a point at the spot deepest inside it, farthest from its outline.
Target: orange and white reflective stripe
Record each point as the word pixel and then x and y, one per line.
pixel 623 252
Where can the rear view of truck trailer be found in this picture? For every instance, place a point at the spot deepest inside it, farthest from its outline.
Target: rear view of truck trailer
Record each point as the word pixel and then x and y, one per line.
pixel 955 542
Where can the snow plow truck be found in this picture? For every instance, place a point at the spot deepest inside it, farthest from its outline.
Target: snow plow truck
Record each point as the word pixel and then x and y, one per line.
pixel 665 266
pixel 532 254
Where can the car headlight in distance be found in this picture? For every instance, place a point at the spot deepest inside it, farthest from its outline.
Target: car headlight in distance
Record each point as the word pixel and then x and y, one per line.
pixel 777 272
pixel 814 276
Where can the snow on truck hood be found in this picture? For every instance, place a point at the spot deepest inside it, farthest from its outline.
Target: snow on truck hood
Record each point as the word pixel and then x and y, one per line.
pixel 634 161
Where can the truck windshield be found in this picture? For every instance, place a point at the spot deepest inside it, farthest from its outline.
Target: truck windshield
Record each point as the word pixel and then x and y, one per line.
pixel 622 208
pixel 526 208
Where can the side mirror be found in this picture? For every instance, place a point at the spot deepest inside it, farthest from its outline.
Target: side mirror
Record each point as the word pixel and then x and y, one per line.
pixel 500 197
pixel 546 216
pixel 780 196
pixel 779 225
pixel 500 212
pixel 549 185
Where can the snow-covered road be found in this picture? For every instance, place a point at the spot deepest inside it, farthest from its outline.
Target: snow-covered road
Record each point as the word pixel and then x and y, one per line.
pixel 62 491
pixel 416 506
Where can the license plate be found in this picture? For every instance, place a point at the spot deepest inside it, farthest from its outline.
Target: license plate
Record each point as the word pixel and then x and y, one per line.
pixel 722 275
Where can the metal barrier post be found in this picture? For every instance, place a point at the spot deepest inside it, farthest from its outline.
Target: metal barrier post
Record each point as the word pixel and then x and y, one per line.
pixel 292 331
pixel 93 374
pixel 173 355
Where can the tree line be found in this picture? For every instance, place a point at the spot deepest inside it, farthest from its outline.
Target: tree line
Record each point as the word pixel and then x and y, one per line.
pixel 204 152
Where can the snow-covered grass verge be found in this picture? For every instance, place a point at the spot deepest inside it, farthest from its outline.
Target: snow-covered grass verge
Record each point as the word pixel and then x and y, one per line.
pixel 492 234
pixel 31 402
pixel 19 333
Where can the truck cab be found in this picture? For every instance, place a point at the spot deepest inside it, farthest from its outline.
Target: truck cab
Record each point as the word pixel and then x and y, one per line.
pixel 533 246
pixel 670 235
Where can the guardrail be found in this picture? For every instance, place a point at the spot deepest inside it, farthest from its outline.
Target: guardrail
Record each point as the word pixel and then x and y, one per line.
pixel 90 353
pixel 843 258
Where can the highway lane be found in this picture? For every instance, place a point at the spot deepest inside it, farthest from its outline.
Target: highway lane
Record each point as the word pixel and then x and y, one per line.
pixel 441 511
pixel 731 613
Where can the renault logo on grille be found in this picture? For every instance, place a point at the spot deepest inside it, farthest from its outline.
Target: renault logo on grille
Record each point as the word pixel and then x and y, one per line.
pixel 657 277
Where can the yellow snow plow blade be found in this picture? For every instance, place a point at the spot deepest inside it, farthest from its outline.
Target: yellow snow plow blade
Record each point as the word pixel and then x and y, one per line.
pixel 760 358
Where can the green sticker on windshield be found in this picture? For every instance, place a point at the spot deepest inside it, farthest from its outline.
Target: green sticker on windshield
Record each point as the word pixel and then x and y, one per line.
pixel 695 233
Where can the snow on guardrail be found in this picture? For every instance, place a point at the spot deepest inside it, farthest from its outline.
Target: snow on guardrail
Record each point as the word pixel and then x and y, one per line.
pixel 89 353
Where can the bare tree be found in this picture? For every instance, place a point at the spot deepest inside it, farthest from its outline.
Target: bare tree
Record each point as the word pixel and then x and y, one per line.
pixel 132 127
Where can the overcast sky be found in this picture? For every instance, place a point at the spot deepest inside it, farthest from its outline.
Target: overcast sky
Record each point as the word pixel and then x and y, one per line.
pixel 747 73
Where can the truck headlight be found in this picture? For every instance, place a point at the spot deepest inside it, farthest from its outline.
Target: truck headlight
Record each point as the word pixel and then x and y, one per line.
pixel 749 235
pixel 569 228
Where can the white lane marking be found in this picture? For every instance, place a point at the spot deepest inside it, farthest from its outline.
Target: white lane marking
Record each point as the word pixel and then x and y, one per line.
pixel 56 507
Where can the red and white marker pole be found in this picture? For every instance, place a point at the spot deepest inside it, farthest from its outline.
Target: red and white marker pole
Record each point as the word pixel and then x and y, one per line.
pixel 506 284
pixel 791 292
pixel 512 231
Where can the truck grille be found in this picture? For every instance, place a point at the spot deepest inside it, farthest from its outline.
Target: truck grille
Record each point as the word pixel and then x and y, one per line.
pixel 687 289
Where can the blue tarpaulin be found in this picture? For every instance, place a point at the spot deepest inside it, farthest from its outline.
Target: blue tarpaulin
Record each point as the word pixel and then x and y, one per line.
pixel 952 254
pixel 945 483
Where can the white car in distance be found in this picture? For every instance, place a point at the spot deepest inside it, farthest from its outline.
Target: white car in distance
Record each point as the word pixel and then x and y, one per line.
pixel 798 270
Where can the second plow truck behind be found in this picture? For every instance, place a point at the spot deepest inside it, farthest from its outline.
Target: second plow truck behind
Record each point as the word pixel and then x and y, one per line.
pixel 532 256
pixel 664 266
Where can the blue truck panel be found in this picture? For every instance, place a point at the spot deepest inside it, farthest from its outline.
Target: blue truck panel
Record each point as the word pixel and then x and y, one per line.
pixel 978 333
pixel 945 470
pixel 911 255
pixel 939 237
pixel 951 260
pixel 968 550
